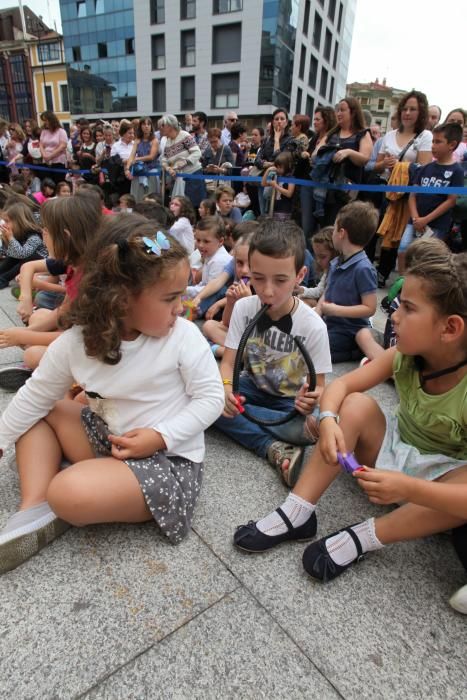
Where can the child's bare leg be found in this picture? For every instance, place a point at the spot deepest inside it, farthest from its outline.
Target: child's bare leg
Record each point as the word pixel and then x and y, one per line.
pixel 364 425
pixel 43 320
pixel 98 491
pixel 411 521
pixel 367 344
pixel 33 355
pixel 39 451
pixel 215 331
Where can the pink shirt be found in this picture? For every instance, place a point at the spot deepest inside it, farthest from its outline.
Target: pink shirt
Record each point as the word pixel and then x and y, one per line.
pixel 50 140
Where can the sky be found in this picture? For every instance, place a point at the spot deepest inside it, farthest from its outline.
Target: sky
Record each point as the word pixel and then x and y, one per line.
pixel 412 43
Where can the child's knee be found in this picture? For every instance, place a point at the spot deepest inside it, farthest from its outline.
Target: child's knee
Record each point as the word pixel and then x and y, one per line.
pixel 68 498
pixel 355 407
pixel 33 355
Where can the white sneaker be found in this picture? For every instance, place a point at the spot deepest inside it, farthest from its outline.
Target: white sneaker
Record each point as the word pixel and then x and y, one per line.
pixel 459 600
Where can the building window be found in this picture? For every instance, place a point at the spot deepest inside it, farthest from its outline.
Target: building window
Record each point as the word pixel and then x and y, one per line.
pixel 318 25
pixel 187 9
pixel 324 82
pixel 220 7
pixel 157 11
pixel 81 8
pixel 298 103
pixel 102 49
pixel 313 74
pixel 332 10
pixel 226 43
pixel 76 50
pixel 306 17
pixel 158 51
pixel 48 52
pixel 310 106
pixel 331 91
pixel 129 46
pixel 187 48
pixel 327 45
pixel 49 100
pixel 301 71
pixel 64 98
pixel 99 7
pixel 187 91
pixel 336 51
pixel 225 90
pixel 363 100
pixel 339 21
pixel 381 103
pixel 158 96
pixel 21 88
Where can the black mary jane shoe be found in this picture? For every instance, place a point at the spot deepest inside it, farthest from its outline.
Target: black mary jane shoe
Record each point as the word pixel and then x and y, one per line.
pixel 250 539
pixel 318 563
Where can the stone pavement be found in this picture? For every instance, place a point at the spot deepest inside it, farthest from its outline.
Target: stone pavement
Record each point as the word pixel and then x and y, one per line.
pixel 115 612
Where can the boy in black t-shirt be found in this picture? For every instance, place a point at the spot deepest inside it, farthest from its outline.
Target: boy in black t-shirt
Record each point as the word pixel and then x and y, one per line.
pixel 433 211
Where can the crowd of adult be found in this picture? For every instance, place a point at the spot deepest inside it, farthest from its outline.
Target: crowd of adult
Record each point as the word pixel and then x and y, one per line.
pixel 341 147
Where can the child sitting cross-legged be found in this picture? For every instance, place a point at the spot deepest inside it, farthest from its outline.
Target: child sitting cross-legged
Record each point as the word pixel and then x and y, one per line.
pixel 137 449
pixel 417 455
pixel 350 299
pixel 275 380
pixel 323 253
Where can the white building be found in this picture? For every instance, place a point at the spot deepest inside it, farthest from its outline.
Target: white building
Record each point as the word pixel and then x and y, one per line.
pixel 211 55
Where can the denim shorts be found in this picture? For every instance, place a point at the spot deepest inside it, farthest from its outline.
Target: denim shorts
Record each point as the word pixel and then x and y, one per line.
pixel 410 235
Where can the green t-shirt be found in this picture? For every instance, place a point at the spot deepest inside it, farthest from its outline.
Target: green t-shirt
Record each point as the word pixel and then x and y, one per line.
pixel 434 424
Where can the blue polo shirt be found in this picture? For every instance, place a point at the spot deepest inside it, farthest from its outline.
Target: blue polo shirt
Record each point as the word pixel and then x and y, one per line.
pixel 348 281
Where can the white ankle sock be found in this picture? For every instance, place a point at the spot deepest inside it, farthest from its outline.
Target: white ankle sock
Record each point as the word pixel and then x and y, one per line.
pixel 342 549
pixel 295 508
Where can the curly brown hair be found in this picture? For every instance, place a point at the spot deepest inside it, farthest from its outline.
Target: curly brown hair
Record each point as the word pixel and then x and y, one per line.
pixel 117 266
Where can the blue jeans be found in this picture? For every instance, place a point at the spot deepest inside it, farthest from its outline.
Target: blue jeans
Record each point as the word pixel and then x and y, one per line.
pixel 410 235
pixel 48 300
pixel 255 437
pixel 343 345
pixel 307 205
pixel 209 301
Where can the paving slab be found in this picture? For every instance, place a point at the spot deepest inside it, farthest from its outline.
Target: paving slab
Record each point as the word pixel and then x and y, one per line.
pixel 234 650
pixel 95 599
pixel 384 629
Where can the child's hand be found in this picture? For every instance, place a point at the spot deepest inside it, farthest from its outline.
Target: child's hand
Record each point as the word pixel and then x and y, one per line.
pixel 136 444
pixel 242 290
pixel 212 311
pixel 419 224
pixel 305 400
pixel 383 487
pixel 24 310
pixel 298 291
pixel 331 440
pixel 327 308
pixel 231 403
pixel 11 337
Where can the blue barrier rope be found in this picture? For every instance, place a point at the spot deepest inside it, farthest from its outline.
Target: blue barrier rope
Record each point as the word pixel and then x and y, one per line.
pixel 409 189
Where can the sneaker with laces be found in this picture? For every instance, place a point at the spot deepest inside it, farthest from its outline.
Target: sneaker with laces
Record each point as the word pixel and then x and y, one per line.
pixel 12 378
pixel 459 600
pixel 281 452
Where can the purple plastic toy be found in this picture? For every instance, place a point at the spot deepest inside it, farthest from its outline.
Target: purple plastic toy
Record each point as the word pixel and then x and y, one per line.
pixel 348 463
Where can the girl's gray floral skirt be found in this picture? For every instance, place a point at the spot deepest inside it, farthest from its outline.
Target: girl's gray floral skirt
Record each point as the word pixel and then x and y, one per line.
pixel 170 485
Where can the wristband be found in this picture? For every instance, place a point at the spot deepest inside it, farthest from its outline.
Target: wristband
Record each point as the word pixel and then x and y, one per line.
pixel 328 414
pixel 225 382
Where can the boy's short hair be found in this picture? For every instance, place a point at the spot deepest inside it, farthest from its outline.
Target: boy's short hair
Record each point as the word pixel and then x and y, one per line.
pixel 279 239
pixel 243 228
pixel 153 211
pixel 451 132
pixel 359 220
pixel 212 223
pixel 224 189
pixel 128 199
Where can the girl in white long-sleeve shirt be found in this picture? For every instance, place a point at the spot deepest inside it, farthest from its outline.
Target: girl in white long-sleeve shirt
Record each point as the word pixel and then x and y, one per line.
pixel 137 448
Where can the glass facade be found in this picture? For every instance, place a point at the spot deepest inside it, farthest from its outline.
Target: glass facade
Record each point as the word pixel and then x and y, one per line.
pixel 279 29
pixel 99 52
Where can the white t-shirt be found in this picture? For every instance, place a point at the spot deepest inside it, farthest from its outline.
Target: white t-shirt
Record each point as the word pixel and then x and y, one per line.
pixel 421 143
pixel 272 359
pixel 212 268
pixel 171 384
pixel 182 231
pixel 122 149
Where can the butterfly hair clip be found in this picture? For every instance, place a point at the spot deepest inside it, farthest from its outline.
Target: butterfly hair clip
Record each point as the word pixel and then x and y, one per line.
pixel 155 246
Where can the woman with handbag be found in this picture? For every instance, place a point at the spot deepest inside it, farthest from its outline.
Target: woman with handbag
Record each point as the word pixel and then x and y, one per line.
pixel 217 160
pixel 143 158
pixel 410 143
